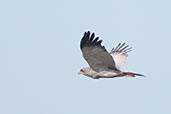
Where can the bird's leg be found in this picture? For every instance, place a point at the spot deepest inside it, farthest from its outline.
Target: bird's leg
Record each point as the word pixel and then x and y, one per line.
pixel 126 75
pixel 95 77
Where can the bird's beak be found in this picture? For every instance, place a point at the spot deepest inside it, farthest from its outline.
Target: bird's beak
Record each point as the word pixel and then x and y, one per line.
pixel 80 72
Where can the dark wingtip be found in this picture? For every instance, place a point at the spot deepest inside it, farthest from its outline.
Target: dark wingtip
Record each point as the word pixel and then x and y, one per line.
pixel 84 39
pixel 89 39
pixel 121 47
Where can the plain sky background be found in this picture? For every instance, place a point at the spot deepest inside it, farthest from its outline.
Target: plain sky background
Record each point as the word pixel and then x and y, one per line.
pixel 40 56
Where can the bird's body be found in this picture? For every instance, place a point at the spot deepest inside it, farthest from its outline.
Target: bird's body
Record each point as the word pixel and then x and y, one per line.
pixel 103 64
pixel 102 74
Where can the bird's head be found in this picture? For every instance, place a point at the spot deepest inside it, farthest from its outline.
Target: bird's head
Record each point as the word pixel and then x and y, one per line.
pixel 85 71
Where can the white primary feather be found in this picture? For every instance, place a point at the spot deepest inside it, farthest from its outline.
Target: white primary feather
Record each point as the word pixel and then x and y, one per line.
pixel 120 54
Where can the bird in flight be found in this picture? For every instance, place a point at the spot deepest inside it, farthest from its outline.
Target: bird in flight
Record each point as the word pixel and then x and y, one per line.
pixel 103 64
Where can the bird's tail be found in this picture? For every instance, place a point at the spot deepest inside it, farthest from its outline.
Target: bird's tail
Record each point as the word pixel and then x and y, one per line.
pixel 131 74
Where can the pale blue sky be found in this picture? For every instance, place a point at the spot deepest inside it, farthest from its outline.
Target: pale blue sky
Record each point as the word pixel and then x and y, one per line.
pixel 40 56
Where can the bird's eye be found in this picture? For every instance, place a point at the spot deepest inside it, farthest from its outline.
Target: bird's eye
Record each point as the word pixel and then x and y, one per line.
pixel 81 70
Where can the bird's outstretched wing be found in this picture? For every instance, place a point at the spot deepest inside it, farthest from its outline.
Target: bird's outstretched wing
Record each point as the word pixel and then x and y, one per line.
pixel 95 54
pixel 120 54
